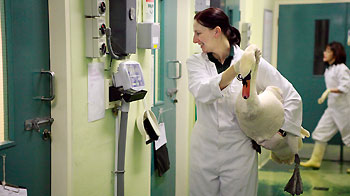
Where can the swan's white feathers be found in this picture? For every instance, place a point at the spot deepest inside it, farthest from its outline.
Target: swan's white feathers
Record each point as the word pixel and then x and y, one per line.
pixel 262 118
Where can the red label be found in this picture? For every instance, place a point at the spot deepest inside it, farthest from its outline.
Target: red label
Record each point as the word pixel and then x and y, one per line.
pixel 149 0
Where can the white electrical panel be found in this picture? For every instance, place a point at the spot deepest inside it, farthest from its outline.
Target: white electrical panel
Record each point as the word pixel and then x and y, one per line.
pixel 95 8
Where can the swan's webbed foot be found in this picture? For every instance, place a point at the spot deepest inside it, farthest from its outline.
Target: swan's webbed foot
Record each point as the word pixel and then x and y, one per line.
pixel 295 184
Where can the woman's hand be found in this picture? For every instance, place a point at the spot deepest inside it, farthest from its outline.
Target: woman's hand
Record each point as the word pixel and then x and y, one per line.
pixel 324 96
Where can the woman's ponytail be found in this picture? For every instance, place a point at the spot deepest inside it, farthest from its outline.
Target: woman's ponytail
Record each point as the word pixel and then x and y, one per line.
pixel 233 36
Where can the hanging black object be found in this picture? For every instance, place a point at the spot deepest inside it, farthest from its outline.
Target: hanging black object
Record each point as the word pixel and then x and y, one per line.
pixel 161 160
pixel 150 131
pixel 295 184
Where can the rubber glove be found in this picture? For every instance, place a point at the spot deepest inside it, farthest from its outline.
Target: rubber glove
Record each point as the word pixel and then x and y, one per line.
pixel 281 151
pixel 293 142
pixel 250 57
pixel 324 96
pixel 284 153
pixel 272 143
pixel 236 66
pixel 286 150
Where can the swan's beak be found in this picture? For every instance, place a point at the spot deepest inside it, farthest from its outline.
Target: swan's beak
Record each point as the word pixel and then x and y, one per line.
pixel 246 90
pixel 246 87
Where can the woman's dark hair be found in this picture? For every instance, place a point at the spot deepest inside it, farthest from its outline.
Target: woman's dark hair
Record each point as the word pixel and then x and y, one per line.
pixel 338 52
pixel 213 17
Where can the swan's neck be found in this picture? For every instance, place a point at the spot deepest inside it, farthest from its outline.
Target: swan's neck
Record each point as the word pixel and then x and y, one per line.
pixel 253 93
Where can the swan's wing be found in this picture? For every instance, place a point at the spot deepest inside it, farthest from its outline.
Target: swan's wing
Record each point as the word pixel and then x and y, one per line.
pixel 277 92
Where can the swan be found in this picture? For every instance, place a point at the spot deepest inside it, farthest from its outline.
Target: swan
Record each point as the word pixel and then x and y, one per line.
pixel 261 116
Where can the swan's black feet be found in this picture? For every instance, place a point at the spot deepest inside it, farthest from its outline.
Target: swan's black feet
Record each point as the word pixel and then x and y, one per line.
pixel 256 146
pixel 295 184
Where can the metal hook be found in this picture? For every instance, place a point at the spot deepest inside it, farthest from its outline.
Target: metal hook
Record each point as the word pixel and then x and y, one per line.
pixel 3 182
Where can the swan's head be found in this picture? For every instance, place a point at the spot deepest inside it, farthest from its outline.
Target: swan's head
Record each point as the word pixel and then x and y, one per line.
pixel 246 85
pixel 247 65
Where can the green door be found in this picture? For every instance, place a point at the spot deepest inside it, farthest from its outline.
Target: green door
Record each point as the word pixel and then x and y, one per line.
pixel 303 31
pixel 27 54
pixel 231 8
pixel 167 67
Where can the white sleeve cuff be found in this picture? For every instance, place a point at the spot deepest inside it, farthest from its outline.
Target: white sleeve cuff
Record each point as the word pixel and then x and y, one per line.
pixel 291 127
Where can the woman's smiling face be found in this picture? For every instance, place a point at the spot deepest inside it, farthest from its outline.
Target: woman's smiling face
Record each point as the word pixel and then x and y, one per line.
pixel 203 36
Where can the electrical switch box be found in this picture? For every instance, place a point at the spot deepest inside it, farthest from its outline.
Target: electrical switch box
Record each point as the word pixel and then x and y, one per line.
pixel 122 19
pixel 95 30
pixel 95 48
pixel 94 8
pixel 95 27
pixel 148 35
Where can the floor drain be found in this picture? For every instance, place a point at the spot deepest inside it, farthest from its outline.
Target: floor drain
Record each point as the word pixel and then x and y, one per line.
pixel 321 188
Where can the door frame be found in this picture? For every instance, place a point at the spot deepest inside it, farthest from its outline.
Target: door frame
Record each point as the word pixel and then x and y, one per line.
pixel 185 110
pixel 275 20
pixel 60 60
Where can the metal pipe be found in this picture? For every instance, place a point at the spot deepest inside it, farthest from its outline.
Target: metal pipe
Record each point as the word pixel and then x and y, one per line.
pixel 117 128
pixel 120 150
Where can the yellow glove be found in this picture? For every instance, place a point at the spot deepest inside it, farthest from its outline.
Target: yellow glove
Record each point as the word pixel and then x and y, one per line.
pixel 324 96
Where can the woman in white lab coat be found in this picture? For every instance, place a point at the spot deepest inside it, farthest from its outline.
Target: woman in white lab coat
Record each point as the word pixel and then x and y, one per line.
pixel 222 160
pixel 337 115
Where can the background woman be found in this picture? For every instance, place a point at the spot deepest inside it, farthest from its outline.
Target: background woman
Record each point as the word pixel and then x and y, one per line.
pixel 336 116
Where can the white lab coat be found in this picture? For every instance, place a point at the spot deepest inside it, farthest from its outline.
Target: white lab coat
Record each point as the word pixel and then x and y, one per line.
pixel 337 115
pixel 222 160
